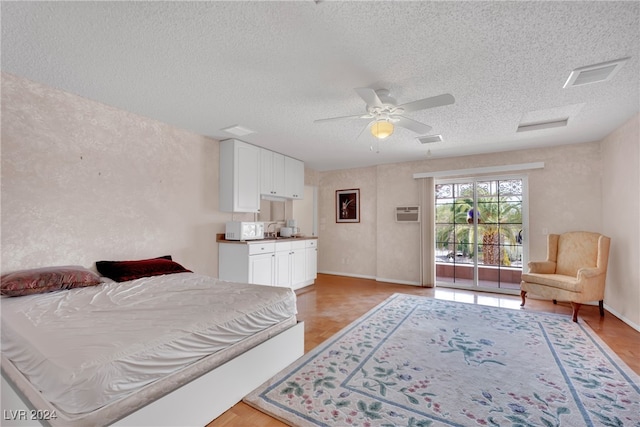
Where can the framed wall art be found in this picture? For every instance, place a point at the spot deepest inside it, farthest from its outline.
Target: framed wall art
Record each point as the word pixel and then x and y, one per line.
pixel 348 205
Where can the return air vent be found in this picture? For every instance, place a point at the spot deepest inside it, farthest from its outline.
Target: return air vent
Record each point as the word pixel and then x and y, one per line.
pixel 429 139
pixel 238 130
pixel 524 127
pixel 594 73
pixel 408 214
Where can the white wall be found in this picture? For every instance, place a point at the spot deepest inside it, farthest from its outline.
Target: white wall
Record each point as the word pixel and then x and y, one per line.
pixel 621 219
pixel 305 211
pixel 83 182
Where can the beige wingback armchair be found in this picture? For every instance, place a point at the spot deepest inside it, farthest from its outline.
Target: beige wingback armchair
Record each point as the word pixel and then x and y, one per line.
pixel 575 270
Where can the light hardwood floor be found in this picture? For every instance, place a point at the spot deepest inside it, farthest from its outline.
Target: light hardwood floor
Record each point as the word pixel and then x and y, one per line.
pixel 335 301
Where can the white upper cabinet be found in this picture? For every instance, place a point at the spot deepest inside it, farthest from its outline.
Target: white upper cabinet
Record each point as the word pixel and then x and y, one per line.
pixel 239 177
pixel 294 178
pixel 272 173
pixel 281 176
pixel 248 172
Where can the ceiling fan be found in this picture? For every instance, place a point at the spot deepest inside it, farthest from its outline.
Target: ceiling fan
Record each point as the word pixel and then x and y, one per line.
pixel 385 114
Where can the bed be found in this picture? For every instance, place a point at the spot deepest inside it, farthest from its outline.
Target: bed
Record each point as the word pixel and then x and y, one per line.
pixel 164 349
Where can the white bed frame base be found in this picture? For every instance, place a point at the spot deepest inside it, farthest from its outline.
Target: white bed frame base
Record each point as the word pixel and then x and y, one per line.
pixel 200 401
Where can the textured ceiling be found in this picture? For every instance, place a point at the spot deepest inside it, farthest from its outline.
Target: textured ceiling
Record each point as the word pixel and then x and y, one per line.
pixel 275 67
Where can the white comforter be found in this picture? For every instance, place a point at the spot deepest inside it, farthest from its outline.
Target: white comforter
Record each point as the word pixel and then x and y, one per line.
pixel 86 347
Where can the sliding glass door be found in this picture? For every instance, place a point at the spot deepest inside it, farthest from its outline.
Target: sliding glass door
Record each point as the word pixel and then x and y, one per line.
pixel 479 225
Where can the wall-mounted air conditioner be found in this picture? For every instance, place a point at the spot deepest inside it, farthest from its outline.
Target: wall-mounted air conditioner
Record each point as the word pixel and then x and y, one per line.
pixel 408 214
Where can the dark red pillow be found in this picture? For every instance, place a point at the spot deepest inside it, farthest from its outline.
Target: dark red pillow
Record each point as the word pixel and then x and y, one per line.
pixel 121 271
pixel 46 279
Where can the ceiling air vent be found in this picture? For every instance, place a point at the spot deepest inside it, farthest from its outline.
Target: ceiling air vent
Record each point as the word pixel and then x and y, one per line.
pixel 594 73
pixel 238 130
pixel 408 214
pixel 429 139
pixel 524 127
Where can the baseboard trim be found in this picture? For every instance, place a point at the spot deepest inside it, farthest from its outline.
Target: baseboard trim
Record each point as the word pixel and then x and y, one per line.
pixel 339 273
pixel 399 282
pixel 621 317
pixel 377 279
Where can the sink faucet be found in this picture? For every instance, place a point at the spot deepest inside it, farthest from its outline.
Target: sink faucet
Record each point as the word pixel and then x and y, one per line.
pixel 273 233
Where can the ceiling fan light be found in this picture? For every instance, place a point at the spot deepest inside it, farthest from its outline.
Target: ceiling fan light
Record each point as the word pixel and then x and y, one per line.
pixel 381 129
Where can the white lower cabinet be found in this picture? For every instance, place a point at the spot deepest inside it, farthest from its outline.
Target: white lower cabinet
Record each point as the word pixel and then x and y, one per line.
pixel 290 263
pixel 311 266
pixel 246 263
pixel 282 276
pixel 290 270
pixel 298 265
pixel 261 269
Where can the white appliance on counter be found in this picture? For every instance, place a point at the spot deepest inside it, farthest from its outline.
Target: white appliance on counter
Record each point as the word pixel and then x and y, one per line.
pixel 244 230
pixel 292 228
pixel 286 231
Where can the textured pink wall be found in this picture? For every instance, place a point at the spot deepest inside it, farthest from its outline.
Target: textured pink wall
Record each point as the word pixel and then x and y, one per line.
pixel 565 195
pixel 82 181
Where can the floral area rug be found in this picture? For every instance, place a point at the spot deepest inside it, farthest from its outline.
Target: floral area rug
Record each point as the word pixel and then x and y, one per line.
pixel 416 361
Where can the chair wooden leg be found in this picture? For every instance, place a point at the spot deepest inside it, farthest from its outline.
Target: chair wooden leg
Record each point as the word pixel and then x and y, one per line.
pixel 522 295
pixel 576 307
pixel 601 305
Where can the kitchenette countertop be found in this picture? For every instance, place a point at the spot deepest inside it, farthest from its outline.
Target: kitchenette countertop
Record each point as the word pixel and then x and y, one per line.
pixel 220 239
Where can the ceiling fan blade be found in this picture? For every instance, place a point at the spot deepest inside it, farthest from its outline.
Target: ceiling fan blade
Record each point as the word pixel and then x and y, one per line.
pixel 355 116
pixel 434 101
pixel 410 124
pixel 369 96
